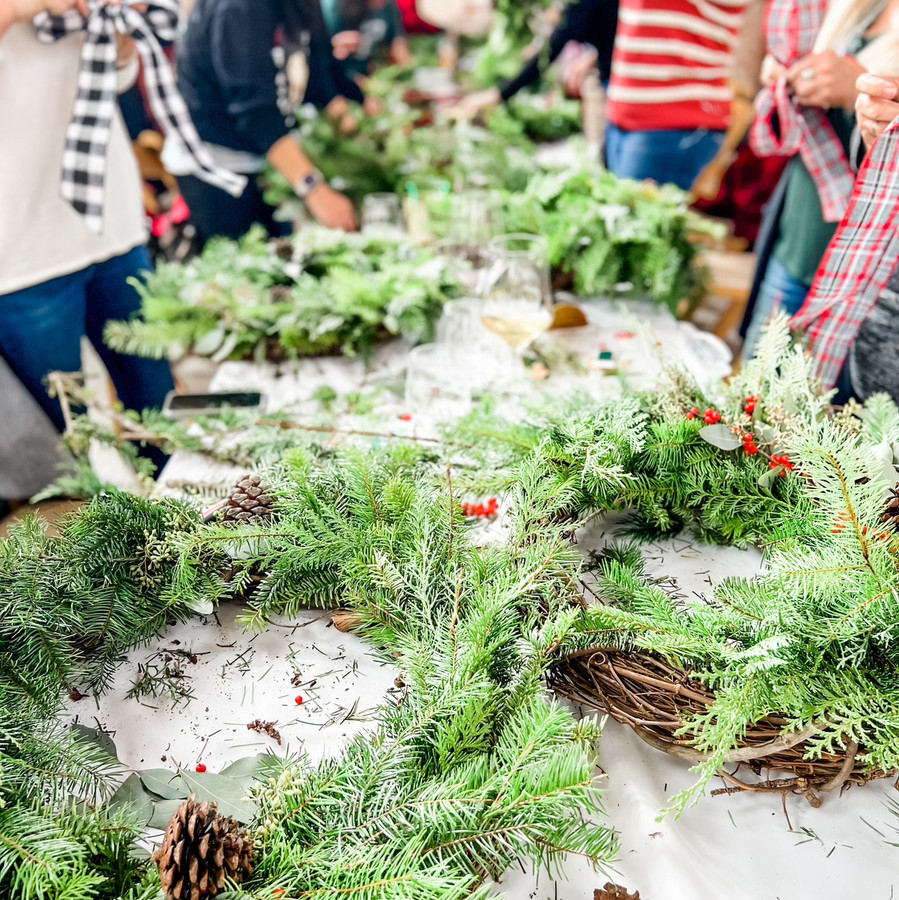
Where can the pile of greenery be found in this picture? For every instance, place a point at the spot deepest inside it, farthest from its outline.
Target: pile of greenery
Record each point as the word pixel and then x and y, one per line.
pixel 323 292
pixel 613 236
pixel 403 150
pixel 513 32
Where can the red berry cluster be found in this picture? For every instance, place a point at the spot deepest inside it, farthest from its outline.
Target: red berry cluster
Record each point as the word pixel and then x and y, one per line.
pixel 710 416
pixel 750 404
pixel 481 510
pixel 783 461
pixel 749 446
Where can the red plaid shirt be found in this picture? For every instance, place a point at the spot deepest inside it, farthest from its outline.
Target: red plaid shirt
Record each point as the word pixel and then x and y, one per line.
pixel 792 28
pixel 859 262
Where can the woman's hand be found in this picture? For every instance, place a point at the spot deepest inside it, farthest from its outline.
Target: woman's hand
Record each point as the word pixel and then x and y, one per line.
pixel 345 43
pixel 331 209
pixel 826 80
pixel 877 105
pixel 576 72
pixel 468 107
pixel 772 71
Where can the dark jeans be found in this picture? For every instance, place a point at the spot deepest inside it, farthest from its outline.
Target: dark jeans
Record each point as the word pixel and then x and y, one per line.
pixel 215 212
pixel 41 329
pixel 666 157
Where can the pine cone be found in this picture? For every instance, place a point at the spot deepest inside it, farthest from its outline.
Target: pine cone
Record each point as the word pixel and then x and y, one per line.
pixel 890 515
pixel 279 293
pixel 200 850
pixel 614 892
pixel 249 503
pixel 284 248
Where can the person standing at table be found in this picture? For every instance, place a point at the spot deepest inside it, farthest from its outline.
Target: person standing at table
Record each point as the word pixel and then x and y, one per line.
pixel 801 220
pixel 588 23
pixel 72 232
pixel 669 101
pixel 231 74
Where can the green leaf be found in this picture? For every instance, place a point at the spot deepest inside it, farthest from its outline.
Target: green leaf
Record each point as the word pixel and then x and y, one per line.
pixel 163 810
pixel 720 436
pixel 133 796
pixel 96 736
pixel 767 480
pixel 248 767
pixel 210 342
pixel 227 792
pixel 163 783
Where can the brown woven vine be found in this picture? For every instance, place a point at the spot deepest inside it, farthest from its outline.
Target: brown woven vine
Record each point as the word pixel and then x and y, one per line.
pixel 639 689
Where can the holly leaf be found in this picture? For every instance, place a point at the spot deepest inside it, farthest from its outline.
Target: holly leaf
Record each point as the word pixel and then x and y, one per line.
pixel 721 436
pixel 164 784
pixel 228 793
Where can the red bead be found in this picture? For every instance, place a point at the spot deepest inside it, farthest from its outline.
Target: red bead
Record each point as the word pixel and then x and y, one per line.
pixel 298 701
pixel 201 768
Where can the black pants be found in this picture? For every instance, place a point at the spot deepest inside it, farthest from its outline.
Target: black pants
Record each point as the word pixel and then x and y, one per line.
pixel 215 212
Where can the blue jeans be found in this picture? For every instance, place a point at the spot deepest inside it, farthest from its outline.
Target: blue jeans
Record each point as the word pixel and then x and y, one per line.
pixel 666 157
pixel 779 290
pixel 41 329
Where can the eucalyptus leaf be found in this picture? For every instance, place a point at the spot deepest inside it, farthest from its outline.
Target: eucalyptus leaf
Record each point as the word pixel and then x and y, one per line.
pixel 163 810
pixel 134 797
pixel 228 793
pixel 209 342
pixel 721 436
pixel 249 767
pixel 164 783
pixel 96 736
pixel 227 347
pixel 768 478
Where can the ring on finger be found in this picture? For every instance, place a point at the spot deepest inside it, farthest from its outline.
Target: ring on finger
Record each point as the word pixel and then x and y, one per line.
pixel 808 75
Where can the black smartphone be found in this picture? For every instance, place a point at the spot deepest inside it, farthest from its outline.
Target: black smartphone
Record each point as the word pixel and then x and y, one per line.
pixel 186 406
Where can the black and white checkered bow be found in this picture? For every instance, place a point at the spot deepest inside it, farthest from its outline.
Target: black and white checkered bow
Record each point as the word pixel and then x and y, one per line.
pixel 87 137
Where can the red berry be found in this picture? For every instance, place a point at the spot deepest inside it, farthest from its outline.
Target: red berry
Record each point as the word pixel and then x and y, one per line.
pixel 298 701
pixel 711 416
pixel 748 438
pixel 750 449
pixel 201 768
pixel 405 417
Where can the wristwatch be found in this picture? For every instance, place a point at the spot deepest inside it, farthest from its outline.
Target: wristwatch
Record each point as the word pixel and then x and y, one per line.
pixel 304 186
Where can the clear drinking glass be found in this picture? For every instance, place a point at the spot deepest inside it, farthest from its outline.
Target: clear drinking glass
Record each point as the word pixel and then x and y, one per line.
pixel 382 216
pixel 432 389
pixel 517 297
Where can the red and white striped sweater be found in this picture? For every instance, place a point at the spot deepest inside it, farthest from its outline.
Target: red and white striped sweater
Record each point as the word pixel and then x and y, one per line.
pixel 671 64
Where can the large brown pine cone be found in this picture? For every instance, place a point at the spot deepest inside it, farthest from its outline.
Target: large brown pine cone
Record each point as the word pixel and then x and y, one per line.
pixel 200 850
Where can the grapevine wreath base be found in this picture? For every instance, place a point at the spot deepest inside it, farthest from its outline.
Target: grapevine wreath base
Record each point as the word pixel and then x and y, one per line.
pixel 642 690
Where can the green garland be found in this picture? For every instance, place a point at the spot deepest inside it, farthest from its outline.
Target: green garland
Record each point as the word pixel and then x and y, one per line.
pixel 322 293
